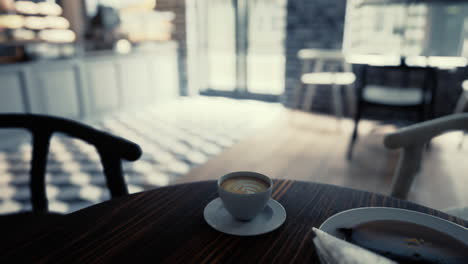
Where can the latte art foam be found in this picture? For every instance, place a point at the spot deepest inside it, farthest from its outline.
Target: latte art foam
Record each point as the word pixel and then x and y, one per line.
pixel 244 185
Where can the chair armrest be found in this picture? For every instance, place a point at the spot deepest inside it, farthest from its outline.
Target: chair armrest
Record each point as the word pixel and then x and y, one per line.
pixel 421 133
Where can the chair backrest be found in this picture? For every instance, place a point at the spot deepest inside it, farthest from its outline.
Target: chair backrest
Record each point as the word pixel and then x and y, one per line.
pixel 412 140
pixel 111 150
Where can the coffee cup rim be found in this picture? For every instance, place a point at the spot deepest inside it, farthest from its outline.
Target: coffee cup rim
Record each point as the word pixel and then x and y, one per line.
pixel 246 173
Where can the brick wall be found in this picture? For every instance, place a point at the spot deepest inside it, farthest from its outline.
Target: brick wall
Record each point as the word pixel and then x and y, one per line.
pixel 312 24
pixel 179 35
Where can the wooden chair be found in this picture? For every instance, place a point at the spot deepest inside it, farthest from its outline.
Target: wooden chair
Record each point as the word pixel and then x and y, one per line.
pixel 111 150
pixel 325 67
pixel 394 98
pixel 412 140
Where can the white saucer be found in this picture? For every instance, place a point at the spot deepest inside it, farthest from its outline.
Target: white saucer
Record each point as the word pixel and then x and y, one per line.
pixel 272 217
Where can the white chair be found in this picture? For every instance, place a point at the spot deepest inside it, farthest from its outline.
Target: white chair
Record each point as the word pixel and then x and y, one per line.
pixel 412 140
pixel 461 105
pixel 325 67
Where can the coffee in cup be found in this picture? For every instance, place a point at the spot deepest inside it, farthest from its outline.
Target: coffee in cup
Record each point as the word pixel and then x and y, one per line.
pixel 244 194
pixel 244 185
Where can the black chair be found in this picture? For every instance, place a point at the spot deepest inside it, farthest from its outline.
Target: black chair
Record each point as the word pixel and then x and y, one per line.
pixel 111 150
pixel 419 100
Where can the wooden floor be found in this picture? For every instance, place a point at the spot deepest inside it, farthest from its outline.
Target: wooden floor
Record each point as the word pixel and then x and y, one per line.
pixel 312 147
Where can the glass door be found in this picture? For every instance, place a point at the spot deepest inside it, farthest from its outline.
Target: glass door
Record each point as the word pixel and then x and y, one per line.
pixel 220 44
pixel 237 47
pixel 266 38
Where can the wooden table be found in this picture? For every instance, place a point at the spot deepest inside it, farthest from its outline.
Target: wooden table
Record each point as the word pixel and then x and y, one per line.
pixel 166 225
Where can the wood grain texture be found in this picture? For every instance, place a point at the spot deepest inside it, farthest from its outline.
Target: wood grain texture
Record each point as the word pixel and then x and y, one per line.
pixel 166 225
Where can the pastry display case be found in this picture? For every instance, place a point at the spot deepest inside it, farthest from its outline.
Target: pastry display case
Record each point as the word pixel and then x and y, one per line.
pixel 34 29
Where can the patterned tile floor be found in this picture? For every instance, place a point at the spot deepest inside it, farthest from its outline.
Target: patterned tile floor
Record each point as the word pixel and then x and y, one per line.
pixel 175 137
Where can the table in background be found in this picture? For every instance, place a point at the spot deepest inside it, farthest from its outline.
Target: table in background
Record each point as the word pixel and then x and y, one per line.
pixel 166 225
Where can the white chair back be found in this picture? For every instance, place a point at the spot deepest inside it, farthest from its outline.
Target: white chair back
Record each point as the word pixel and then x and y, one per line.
pixel 412 140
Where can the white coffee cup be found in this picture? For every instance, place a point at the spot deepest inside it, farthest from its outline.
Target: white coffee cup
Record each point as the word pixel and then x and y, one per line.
pixel 246 193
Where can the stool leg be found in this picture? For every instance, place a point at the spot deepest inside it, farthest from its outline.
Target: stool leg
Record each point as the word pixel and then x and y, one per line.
pixel 337 102
pixel 351 99
pixel 460 145
pixel 461 104
pixel 296 98
pixel 460 107
pixel 310 89
pixel 354 136
pixel 308 97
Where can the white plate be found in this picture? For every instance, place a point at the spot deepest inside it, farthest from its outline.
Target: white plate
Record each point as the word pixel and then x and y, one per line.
pixel 354 217
pixel 272 217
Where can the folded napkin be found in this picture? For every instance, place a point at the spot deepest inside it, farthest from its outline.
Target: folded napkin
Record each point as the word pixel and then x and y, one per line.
pixel 332 250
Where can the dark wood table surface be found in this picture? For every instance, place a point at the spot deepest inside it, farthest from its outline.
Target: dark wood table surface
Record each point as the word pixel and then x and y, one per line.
pixel 166 225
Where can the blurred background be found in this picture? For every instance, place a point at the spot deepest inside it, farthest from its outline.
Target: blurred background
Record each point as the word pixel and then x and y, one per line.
pixel 290 88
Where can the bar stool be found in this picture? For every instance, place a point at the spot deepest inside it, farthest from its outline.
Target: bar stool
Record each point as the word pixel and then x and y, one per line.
pixel 325 67
pixel 336 80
